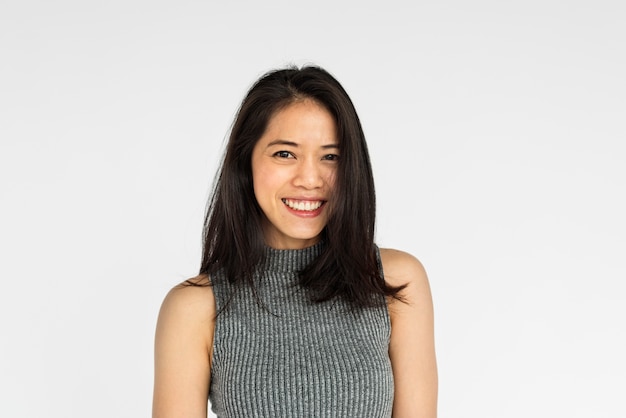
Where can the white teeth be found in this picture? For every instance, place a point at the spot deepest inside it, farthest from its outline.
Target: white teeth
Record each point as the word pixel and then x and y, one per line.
pixel 303 205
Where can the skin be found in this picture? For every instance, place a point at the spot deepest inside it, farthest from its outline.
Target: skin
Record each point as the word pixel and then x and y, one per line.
pixel 183 352
pixel 295 159
pixel 412 345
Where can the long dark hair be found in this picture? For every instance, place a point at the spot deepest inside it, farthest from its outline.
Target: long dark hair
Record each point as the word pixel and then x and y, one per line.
pixel 233 238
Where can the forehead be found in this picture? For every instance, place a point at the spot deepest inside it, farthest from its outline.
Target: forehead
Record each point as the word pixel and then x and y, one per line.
pixel 301 121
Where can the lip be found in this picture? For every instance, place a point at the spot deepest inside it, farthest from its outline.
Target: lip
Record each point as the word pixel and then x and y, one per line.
pixel 305 213
pixel 305 198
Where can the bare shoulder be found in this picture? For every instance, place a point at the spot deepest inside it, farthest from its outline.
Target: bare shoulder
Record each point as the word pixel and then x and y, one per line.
pixel 412 347
pixel 187 312
pixel 192 299
pixel 183 350
pixel 402 268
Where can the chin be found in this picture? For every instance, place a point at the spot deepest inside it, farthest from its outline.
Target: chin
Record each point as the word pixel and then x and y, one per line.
pixel 294 241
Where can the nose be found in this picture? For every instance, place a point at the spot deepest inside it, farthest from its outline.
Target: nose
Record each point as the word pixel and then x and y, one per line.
pixel 309 175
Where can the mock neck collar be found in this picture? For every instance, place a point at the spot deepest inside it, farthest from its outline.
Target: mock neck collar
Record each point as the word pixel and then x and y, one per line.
pixel 291 260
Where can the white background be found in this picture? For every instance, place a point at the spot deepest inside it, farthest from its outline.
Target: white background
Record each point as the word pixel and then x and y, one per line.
pixel 496 131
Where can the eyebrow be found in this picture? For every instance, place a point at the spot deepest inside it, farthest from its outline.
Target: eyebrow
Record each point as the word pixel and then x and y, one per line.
pixel 293 144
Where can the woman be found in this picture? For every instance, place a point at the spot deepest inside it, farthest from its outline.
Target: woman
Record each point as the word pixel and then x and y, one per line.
pixel 295 311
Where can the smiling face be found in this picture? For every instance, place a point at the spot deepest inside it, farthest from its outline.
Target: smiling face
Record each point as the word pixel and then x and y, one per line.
pixel 294 166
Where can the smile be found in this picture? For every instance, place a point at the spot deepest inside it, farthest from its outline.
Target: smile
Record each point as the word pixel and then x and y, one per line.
pixel 303 205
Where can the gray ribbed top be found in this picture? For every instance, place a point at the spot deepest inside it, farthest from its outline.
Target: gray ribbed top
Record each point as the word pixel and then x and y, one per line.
pixel 302 359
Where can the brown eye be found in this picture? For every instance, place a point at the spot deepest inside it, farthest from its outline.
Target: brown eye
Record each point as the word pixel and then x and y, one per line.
pixel 282 154
pixel 331 157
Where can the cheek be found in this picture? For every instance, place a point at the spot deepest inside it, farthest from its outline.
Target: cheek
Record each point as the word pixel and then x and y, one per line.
pixel 260 189
pixel 257 183
pixel 264 183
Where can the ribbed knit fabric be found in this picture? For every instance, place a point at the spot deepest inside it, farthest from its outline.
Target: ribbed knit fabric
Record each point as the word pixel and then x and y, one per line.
pixel 302 359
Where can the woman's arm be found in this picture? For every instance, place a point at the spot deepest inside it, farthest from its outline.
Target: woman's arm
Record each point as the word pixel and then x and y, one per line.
pixel 182 355
pixel 412 346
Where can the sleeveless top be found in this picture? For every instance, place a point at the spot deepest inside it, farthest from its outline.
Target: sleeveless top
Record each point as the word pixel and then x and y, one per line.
pixel 300 359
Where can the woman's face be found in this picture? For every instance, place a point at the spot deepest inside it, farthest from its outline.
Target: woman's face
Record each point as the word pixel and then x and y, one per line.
pixel 294 166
